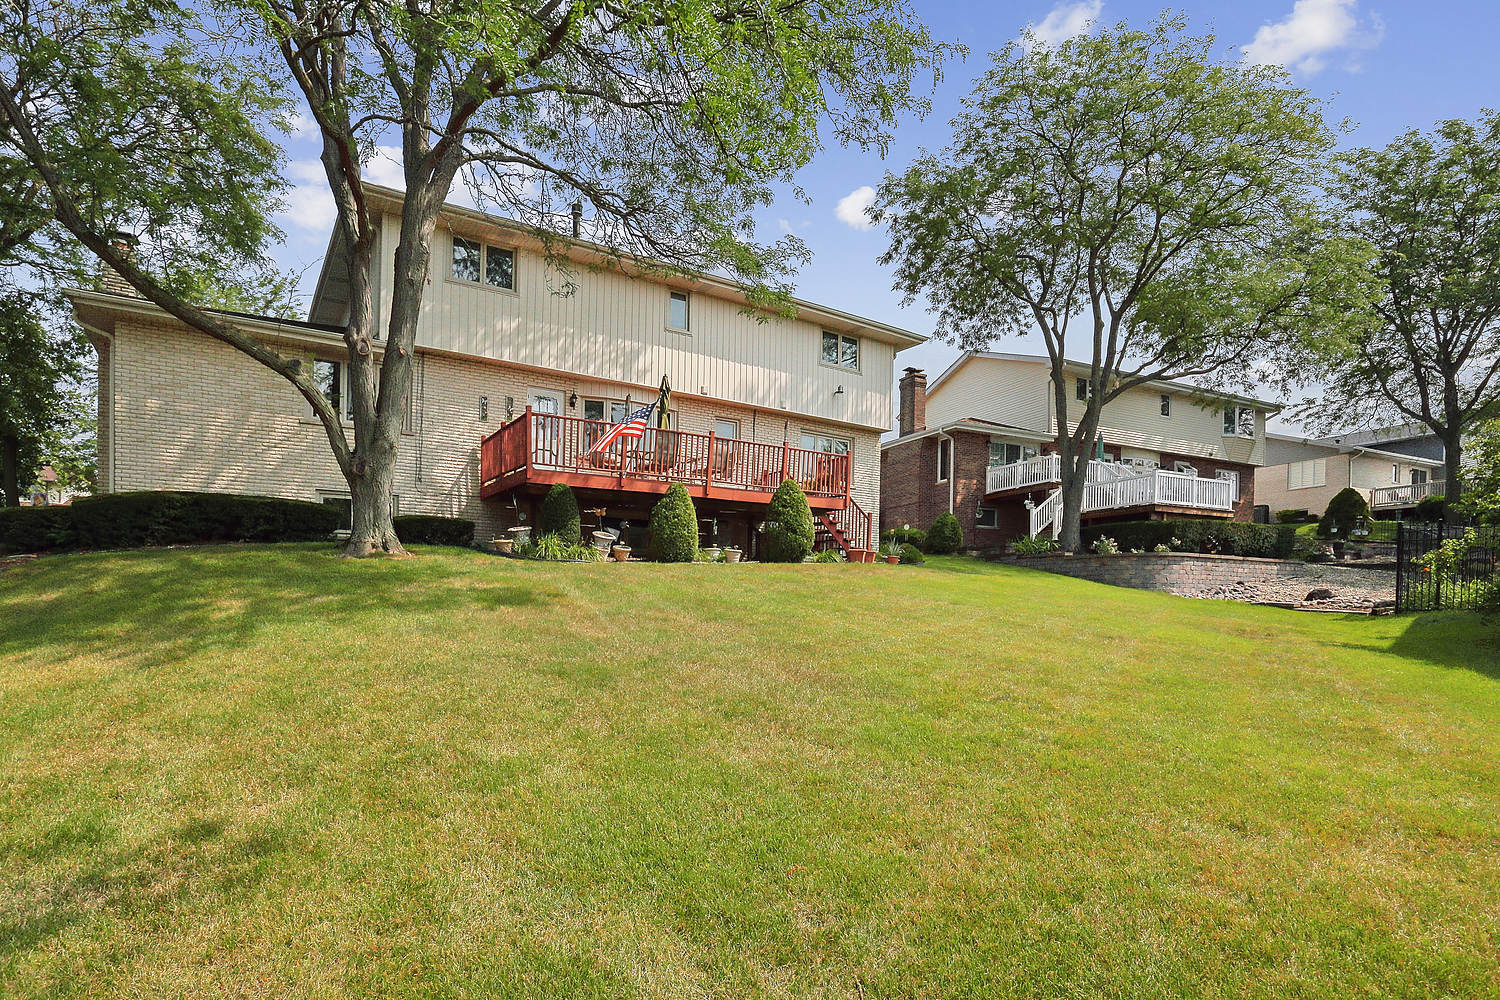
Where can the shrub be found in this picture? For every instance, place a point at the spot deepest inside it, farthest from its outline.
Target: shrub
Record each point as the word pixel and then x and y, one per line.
pixel 911 555
pixel 430 529
pixel 165 517
pixel 1106 546
pixel 829 556
pixel 1291 516
pixel 1432 509
pixel 789 525
pixel 1347 505
pixel 674 527
pixel 945 535
pixel 906 536
pixel 1234 538
pixel 1034 545
pixel 560 515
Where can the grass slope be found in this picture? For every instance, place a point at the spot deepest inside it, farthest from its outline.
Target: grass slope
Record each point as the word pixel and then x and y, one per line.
pixel 273 772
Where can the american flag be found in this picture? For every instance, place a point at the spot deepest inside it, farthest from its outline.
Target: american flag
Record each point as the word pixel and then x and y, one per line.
pixel 633 426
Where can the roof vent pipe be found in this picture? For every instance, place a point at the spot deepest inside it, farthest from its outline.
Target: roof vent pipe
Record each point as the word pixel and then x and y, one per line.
pixel 577 219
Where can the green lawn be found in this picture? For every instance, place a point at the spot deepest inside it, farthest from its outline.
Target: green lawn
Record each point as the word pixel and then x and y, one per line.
pixel 270 772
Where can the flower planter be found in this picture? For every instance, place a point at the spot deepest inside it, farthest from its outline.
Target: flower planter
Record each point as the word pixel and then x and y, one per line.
pixel 620 552
pixel 893 560
pixel 520 535
pixel 712 552
pixel 505 546
pixel 732 555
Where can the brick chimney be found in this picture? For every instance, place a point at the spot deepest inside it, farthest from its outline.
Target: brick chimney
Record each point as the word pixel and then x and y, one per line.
pixel 110 279
pixel 912 416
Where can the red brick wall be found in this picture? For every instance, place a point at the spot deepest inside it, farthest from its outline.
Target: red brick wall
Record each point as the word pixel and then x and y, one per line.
pixel 1208 468
pixel 911 494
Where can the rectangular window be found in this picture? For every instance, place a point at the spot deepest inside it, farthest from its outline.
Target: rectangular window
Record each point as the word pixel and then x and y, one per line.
pixel 1239 421
pixel 1234 481
pixel 330 378
pixel 1395 473
pixel 1307 474
pixel 500 267
pixel 988 517
pixel 677 311
pixel 1166 404
pixel 1418 476
pixel 822 442
pixel 1007 453
pixel 944 459
pixel 465 259
pixel 1081 389
pixel 840 350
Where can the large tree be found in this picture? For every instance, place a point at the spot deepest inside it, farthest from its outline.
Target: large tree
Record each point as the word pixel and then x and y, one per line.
pixel 1145 207
pixel 671 121
pixel 1428 348
pixel 38 369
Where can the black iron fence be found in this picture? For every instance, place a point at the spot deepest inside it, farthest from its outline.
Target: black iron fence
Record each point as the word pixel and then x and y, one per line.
pixel 1462 584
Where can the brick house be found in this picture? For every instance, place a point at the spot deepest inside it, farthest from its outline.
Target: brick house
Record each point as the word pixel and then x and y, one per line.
pixel 979 441
pixel 513 380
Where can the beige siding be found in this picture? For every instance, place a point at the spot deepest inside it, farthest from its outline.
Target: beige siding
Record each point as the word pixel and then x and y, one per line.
pixel 1008 392
pixel 190 413
pixel 614 327
pixel 1133 420
pixel 1272 486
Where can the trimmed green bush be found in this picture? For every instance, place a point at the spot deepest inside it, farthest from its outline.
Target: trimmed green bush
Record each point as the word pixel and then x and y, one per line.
pixel 674 527
pixel 1431 509
pixel 905 536
pixel 789 525
pixel 1291 516
pixel 560 515
pixel 911 555
pixel 164 517
pixel 1230 538
pixel 430 529
pixel 1347 505
pixel 945 535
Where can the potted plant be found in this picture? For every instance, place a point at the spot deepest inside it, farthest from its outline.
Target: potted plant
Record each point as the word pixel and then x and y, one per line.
pixel 621 549
pixel 712 548
pixel 505 546
pixel 621 553
pixel 732 554
pixel 520 535
pixel 890 554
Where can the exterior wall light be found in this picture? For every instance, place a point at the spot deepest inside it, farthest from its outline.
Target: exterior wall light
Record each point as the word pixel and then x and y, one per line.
pixel 484 407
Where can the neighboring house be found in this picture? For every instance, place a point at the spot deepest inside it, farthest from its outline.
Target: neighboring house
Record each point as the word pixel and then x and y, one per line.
pixel 1394 467
pixel 512 383
pixel 980 442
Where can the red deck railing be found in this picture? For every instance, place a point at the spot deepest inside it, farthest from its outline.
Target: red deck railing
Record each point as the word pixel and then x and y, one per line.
pixel 537 447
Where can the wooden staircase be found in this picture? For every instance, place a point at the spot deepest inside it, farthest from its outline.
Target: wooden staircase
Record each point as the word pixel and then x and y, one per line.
pixel 850 530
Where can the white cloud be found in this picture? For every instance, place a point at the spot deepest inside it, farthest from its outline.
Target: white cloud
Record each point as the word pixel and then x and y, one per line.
pixel 309 205
pixel 385 168
pixel 1314 31
pixel 1064 21
pixel 790 228
pixel 851 208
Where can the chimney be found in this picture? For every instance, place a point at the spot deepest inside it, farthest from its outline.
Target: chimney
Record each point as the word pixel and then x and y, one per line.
pixel 577 218
pixel 110 279
pixel 912 416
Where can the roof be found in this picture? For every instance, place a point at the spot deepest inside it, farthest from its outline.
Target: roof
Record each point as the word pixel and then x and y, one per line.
pixel 1042 359
pixel 977 425
pixel 586 251
pixel 89 302
pixel 1333 443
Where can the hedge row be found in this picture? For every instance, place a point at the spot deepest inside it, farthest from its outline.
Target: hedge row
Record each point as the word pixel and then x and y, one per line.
pixel 429 529
pixel 1230 538
pixel 130 520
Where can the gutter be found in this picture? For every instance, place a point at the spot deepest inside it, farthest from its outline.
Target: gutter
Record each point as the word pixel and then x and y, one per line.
pixel 952 465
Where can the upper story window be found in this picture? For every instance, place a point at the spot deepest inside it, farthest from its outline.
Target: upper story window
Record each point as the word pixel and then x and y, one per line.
pixel 1239 421
pixel 1166 404
pixel 1395 473
pixel 1306 474
pixel 1082 389
pixel 1008 453
pixel 840 350
pixel 678 315
pixel 822 442
pixel 498 264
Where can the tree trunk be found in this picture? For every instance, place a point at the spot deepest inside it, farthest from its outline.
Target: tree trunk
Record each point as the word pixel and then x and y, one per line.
pixel 374 530
pixel 1453 487
pixel 10 470
pixel 1072 508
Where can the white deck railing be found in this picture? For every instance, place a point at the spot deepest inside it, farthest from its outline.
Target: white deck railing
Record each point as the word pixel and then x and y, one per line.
pixel 1156 487
pixel 1037 471
pixel 1405 496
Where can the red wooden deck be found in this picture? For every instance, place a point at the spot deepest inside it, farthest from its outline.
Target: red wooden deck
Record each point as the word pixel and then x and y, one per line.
pixel 544 448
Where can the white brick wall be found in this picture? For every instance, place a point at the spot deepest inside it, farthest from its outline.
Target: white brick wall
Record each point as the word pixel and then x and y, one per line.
pixel 190 413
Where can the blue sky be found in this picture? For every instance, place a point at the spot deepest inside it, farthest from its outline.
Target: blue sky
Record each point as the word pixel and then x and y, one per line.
pixel 1386 65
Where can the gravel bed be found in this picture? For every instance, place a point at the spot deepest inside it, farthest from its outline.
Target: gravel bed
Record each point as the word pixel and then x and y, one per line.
pixel 1342 596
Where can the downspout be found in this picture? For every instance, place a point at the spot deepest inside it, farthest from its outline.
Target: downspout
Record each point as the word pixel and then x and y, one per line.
pixel 108 338
pixel 952 465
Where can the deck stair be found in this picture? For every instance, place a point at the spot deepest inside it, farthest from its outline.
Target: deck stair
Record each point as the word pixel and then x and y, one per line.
pixel 849 530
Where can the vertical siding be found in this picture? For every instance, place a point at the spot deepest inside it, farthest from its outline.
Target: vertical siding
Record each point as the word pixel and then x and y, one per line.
pixel 1009 392
pixel 614 327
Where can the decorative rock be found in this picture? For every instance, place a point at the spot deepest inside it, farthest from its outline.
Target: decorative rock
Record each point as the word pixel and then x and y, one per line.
pixel 1319 594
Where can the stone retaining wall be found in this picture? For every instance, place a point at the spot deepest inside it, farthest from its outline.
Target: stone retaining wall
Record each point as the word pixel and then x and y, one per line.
pixel 1193 573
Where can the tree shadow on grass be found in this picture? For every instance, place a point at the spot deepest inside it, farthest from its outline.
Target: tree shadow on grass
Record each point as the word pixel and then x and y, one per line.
pixel 152 608
pixel 1456 640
